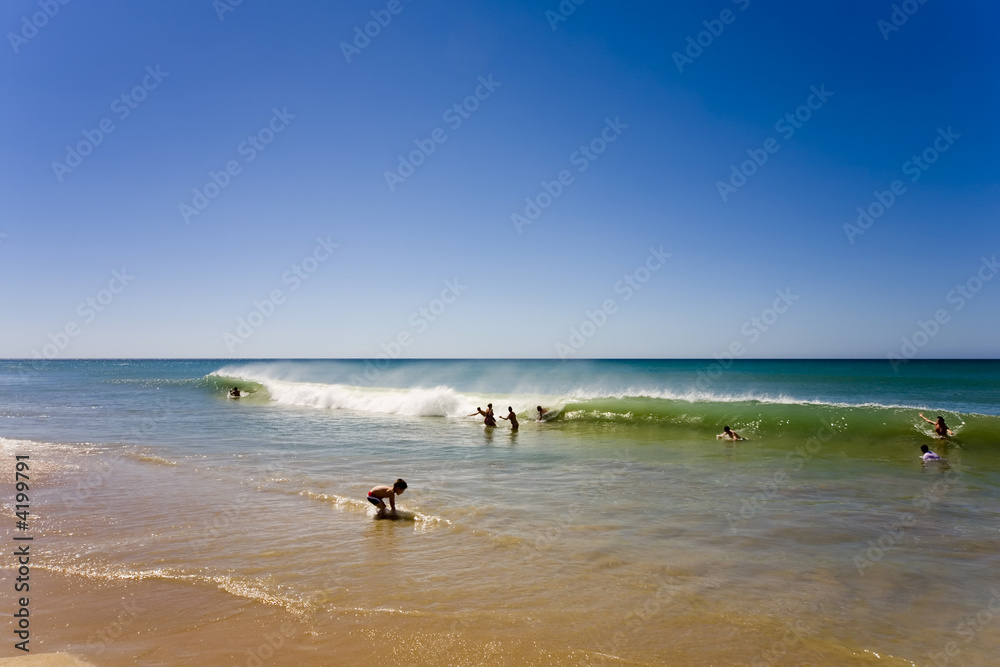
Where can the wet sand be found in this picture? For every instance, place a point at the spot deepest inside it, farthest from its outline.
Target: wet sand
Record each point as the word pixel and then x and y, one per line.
pixel 133 574
pixel 46 660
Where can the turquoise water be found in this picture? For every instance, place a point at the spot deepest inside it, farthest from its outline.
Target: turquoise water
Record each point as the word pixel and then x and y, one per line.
pixel 823 523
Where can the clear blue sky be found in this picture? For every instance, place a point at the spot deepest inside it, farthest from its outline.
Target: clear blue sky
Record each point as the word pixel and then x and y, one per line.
pixel 220 75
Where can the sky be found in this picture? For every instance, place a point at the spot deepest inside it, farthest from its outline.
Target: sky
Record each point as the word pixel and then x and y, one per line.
pixel 499 179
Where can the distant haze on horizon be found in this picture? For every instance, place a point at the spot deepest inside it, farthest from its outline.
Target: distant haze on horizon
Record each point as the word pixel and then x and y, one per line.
pixel 672 180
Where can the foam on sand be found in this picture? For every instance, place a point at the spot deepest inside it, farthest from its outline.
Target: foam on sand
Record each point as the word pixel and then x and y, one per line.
pixel 47 660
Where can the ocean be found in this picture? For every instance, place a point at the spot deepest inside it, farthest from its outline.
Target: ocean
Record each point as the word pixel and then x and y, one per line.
pixel 172 524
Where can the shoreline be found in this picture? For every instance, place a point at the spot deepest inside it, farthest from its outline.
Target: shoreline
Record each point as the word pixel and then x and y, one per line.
pixel 120 622
pixel 58 659
pixel 84 622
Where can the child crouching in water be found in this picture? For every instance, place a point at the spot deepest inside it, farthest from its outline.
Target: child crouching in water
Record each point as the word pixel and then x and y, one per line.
pixel 377 495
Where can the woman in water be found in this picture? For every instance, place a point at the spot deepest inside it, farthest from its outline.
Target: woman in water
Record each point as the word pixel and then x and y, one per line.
pixel 487 414
pixel 939 426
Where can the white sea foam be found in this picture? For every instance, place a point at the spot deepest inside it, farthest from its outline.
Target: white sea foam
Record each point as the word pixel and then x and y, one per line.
pixel 418 401
pixel 699 396
pixel 445 401
pixel 244 587
pixel 342 502
pixel 439 401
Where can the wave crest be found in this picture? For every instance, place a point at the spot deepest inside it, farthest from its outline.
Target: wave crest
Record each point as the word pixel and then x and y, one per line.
pixel 441 401
pixel 690 411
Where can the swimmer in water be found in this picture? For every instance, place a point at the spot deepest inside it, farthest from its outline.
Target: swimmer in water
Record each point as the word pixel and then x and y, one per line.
pixel 541 413
pixel 729 434
pixel 235 393
pixel 927 454
pixel 511 417
pixel 939 426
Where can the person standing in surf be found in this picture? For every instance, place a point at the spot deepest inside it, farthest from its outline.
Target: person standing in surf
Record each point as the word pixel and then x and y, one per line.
pixel 939 426
pixel 511 417
pixel 488 418
pixel 378 494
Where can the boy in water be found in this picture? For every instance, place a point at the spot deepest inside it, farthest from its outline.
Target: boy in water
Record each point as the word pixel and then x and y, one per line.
pixel 511 417
pixel 928 455
pixel 729 434
pixel 377 495
pixel 541 413
pixel 939 426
